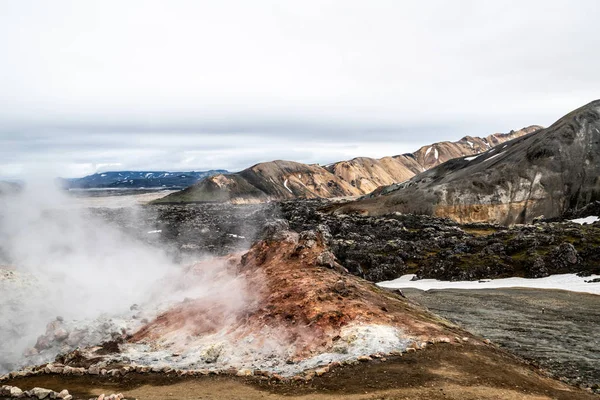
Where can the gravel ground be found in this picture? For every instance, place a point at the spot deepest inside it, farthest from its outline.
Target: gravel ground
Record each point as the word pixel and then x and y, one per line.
pixel 556 329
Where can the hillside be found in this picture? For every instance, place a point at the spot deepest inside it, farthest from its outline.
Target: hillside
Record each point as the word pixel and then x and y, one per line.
pixel 548 173
pixel 281 180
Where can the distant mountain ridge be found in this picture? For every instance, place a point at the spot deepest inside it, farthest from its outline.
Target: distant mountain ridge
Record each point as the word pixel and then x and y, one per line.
pixel 138 179
pixel 281 180
pixel 549 173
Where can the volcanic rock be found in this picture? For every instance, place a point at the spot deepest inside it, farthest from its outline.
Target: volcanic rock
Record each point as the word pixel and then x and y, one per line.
pixel 430 247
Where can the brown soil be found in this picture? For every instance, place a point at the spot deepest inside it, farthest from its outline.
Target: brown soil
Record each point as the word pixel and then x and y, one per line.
pixel 439 372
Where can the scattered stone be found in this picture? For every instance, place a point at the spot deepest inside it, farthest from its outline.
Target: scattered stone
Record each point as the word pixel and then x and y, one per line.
pixel 277 377
pixel 78 371
pixel 14 391
pixel 244 372
pixel 142 369
pixel 40 393
pixel 364 358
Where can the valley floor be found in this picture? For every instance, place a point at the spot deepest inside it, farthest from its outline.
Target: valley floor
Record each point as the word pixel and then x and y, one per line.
pixel 556 329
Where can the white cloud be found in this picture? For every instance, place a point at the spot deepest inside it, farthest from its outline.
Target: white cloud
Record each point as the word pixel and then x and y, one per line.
pixel 407 73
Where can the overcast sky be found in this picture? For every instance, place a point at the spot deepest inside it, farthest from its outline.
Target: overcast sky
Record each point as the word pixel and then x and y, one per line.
pixel 100 85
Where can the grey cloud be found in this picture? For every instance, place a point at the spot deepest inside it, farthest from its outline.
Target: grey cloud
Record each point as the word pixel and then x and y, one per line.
pixel 198 84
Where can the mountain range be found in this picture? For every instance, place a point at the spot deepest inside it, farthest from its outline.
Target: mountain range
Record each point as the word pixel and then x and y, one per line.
pixel 548 173
pixel 281 180
pixel 138 179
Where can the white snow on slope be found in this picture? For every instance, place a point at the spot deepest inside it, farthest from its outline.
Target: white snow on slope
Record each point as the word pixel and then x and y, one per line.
pixel 286 186
pixel 570 282
pixel 470 158
pixel 494 156
pixel 587 220
pixel 427 152
pixel 436 154
pixel 470 143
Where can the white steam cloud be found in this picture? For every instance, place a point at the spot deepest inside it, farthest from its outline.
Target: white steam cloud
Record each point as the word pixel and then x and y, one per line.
pixel 57 259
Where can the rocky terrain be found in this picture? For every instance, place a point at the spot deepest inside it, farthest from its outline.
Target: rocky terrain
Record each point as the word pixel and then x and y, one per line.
pixel 442 371
pixel 378 248
pixel 195 230
pixel 547 327
pixel 305 322
pixel 386 247
pixel 549 173
pixel 280 180
pixel 308 327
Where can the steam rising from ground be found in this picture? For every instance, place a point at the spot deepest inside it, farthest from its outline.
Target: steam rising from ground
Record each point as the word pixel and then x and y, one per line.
pixel 66 262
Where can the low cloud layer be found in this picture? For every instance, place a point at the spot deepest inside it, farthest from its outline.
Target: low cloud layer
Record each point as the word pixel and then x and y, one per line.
pixel 197 85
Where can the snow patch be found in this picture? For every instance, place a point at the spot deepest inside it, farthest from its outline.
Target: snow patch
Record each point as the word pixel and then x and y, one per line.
pixel 155 231
pixel 494 156
pixel 570 282
pixel 470 158
pixel 286 186
pixel 436 154
pixel 470 144
pixel 587 220
pixel 427 152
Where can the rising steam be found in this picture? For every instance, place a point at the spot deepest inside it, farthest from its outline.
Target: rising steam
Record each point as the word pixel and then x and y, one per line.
pixel 56 259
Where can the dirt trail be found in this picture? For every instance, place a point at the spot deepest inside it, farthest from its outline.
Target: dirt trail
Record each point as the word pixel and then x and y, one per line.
pixel 438 372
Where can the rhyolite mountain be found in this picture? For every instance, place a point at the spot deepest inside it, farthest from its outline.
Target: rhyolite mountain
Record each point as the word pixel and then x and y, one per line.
pixel 138 179
pixel 548 173
pixel 280 180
